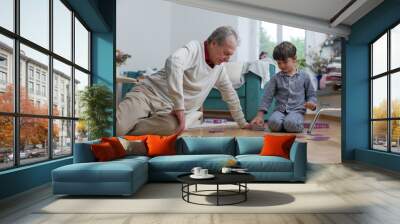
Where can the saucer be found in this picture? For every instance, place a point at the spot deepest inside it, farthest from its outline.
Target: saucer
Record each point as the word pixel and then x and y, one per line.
pixel 208 176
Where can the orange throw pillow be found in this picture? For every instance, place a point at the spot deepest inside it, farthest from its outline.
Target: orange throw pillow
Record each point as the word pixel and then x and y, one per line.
pixel 277 145
pixel 116 145
pixel 135 138
pixel 161 145
pixel 103 152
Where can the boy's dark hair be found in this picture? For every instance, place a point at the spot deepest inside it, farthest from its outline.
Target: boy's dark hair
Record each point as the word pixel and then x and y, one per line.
pixel 284 51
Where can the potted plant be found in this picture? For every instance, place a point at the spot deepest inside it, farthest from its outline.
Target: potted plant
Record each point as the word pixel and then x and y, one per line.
pixel 96 102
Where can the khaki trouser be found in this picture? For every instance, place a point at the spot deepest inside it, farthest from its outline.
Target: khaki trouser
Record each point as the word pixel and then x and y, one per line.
pixel 142 112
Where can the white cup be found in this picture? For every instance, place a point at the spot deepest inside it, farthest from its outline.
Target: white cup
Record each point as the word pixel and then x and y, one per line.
pixel 196 171
pixel 203 172
pixel 226 170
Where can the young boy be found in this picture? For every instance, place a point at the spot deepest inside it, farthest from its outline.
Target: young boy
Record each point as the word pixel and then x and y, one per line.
pixel 293 91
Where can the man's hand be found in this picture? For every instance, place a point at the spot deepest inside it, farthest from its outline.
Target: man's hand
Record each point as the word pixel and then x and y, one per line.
pixel 258 120
pixel 247 126
pixel 310 105
pixel 180 115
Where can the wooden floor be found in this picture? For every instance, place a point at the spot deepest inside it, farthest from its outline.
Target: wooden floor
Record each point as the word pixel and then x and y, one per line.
pixel 378 189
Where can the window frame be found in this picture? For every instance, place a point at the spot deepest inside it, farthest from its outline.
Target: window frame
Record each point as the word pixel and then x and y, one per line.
pixel 388 74
pixel 51 118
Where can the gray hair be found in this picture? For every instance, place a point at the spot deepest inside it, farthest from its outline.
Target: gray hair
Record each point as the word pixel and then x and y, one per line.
pixel 220 34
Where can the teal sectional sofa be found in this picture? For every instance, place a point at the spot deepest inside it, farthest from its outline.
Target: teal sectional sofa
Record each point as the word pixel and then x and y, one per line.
pixel 125 176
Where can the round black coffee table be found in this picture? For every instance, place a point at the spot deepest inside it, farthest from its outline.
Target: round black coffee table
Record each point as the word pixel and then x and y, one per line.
pixel 238 179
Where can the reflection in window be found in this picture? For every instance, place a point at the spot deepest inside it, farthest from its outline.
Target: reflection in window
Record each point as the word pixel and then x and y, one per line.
pixel 62 137
pixel 35 21
pixel 379 56
pixel 379 98
pixel 395 95
pixel 33 140
pixel 395 47
pixel 379 135
pixel 6 142
pixel 81 45
pixel 6 74
pixel 395 136
pixel 39 62
pixel 62 29
pixel 7 14
pixel 61 75
pixel 81 82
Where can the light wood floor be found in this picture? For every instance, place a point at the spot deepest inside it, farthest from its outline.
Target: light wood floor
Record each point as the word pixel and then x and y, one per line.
pixel 378 189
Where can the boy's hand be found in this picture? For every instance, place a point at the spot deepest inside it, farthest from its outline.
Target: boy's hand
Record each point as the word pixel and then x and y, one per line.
pixel 258 120
pixel 310 105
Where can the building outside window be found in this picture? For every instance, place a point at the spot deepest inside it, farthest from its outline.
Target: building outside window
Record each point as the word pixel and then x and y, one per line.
pixel 57 129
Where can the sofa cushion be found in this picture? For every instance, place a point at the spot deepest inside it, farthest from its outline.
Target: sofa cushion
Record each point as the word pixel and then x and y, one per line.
pixel 185 163
pixel 277 145
pixel 161 145
pixel 249 145
pixel 257 163
pixel 116 145
pixel 113 171
pixel 103 152
pixel 206 145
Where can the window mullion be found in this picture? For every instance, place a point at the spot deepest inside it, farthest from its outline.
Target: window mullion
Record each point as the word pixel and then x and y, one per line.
pixel 50 81
pixel 16 84
pixel 73 82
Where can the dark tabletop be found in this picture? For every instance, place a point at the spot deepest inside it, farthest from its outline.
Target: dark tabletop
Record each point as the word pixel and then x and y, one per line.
pixel 220 178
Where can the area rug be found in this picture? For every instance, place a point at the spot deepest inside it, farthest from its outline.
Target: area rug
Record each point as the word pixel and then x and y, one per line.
pixel 166 198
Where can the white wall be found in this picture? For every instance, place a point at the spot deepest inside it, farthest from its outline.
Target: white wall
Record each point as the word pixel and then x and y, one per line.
pixel 151 30
pixel 143 30
pixel 190 23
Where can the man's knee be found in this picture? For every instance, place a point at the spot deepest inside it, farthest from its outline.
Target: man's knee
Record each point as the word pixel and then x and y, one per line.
pixel 157 125
pixel 275 125
pixel 294 126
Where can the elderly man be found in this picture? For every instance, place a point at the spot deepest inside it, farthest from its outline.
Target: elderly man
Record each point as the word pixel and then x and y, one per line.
pixel 158 105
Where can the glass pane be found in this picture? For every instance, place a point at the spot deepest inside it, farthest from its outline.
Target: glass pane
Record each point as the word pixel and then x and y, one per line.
pixel 81 81
pixel 6 142
pixel 62 29
pixel 81 45
pixel 34 97
pixel 81 131
pixel 379 135
pixel 7 14
pixel 268 38
pixel 379 56
pixel 395 138
pixel 379 98
pixel 62 89
pixel 295 36
pixel 33 139
pixel 395 94
pixel 35 21
pixel 62 138
pixel 6 74
pixel 395 47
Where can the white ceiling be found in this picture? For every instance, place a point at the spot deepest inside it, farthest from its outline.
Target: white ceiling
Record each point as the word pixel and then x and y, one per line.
pixel 320 9
pixel 313 15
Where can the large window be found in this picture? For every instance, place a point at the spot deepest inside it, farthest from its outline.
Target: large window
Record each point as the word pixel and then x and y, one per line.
pixel 385 92
pixel 44 64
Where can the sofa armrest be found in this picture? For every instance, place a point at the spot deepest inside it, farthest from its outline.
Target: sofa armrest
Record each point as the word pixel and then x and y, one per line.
pixel 298 155
pixel 83 152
